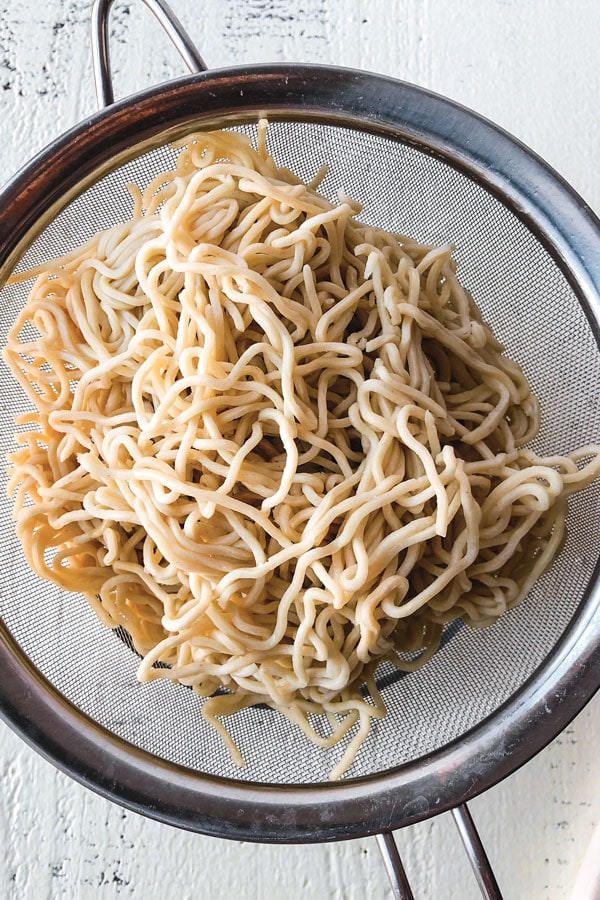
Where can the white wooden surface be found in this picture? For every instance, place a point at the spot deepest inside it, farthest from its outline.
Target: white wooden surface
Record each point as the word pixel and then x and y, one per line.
pixel 533 68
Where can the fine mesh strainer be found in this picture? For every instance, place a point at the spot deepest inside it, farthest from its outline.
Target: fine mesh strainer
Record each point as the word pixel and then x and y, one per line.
pixel 529 251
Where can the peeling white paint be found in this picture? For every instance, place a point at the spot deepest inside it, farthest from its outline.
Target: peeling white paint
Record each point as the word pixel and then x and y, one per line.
pixel 533 68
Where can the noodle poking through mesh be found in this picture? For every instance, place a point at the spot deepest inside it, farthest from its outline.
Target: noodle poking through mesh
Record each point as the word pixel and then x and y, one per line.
pixel 274 444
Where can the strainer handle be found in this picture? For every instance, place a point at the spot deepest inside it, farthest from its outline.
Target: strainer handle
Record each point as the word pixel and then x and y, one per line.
pixel 472 843
pixel 393 866
pixel 100 55
pixel 480 863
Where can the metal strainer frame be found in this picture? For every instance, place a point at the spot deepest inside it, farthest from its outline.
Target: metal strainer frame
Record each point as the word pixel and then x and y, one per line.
pixel 570 674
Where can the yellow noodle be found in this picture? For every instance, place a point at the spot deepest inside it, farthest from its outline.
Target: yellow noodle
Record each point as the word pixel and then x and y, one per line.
pixel 274 444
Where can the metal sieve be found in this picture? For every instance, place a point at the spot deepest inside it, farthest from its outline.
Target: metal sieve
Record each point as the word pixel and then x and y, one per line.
pixel 529 251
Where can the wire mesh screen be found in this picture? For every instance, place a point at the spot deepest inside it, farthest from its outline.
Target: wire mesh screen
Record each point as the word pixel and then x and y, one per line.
pixel 527 301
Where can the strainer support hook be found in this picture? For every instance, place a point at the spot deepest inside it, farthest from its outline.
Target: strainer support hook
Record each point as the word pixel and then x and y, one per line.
pixel 100 54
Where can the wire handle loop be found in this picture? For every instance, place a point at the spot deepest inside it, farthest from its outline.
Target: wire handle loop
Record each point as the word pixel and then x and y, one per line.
pixel 393 866
pixel 100 38
pixel 475 851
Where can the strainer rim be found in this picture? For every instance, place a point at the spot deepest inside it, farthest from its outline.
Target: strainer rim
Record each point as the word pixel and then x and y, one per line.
pixel 556 215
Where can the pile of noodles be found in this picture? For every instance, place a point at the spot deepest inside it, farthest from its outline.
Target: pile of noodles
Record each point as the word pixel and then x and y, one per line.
pixel 274 444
